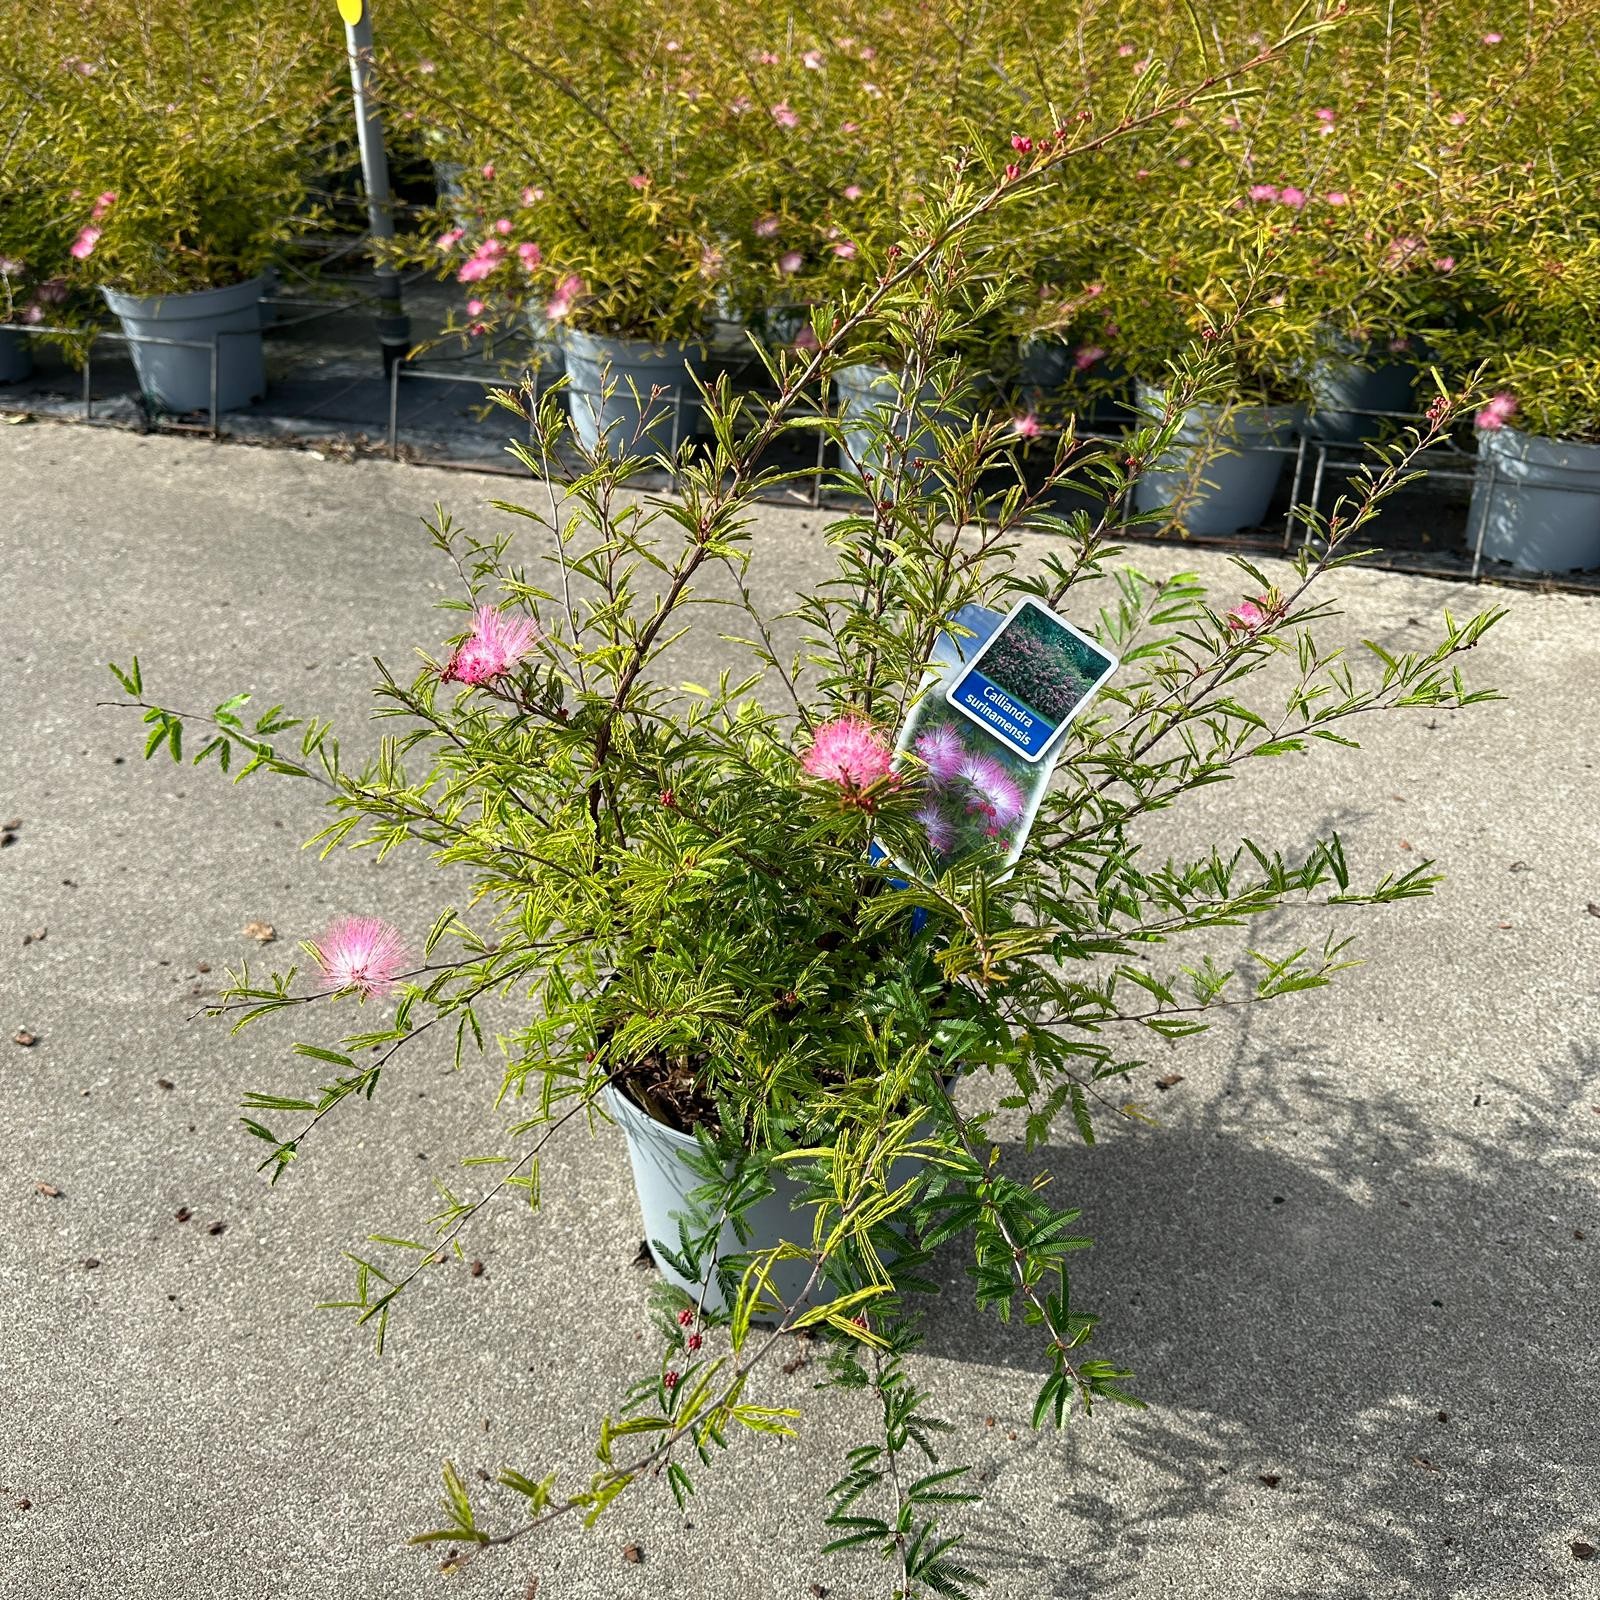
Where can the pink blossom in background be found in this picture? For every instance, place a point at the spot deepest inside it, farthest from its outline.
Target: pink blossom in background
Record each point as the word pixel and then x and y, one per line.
pixel 852 191
pixel 768 59
pixel 790 262
pixel 474 308
pixel 711 262
pixel 497 644
pixel 530 255
pixel 103 203
pixel 941 751
pixel 872 90
pixel 503 227
pixel 361 953
pixel 426 68
pixel 640 180
pixel 1087 355
pixel 811 60
pixel 1263 191
pixel 1124 49
pixel 1399 345
pixel 1444 264
pixel 766 227
pixel 673 46
pixel 993 791
pixel 850 127
pixel 1456 118
pixel 532 196
pixel 10 268
pixel 1336 197
pixel 34 314
pixel 488 170
pixel 449 239
pixel 569 291
pixel 1292 197
pixel 1232 124
pixel 83 245
pixel 868 53
pixel 807 339
pixel 52 291
pixel 1026 426
pixel 1496 412
pixel 741 105
pixel 848 751
pixel 940 831
pixel 1403 252
pixel 845 250
pixel 1493 38
pixel 476 330
pixel 783 114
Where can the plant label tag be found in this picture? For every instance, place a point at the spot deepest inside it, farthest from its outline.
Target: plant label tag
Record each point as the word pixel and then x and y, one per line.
pixel 1030 678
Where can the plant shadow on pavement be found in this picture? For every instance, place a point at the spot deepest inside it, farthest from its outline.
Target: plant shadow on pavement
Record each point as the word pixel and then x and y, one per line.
pixel 1316 1279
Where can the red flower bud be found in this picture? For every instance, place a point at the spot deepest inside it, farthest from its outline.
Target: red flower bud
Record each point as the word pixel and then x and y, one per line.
pixel 685 1317
pixel 693 1341
pixel 671 1380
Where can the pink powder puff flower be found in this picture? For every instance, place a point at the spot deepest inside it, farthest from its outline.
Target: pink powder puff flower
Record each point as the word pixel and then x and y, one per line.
pixel 1456 119
pixel 1026 426
pixel 741 105
pixel 673 46
pixel 488 170
pixel 852 191
pixel 532 196
pixel 845 250
pixel 361 953
pixel 1087 355
pixel 52 292
pixel 867 53
pixel 1493 38
pixel 1336 197
pixel 497 643
pixel 83 245
pixel 784 115
pixel 941 752
pixel 449 239
pixel 1496 412
pixel 872 91
pixel 811 60
pixel 10 268
pixel 1403 251
pixel 767 58
pixel 807 339
pixel 639 180
pixel 474 308
pixel 849 127
pixel 767 227
pixel 1444 265
pixel 1124 49
pixel 1246 617
pixel 711 262
pixel 503 226
pixel 847 751
pixel 940 831
pixel 790 262
pixel 993 791
pixel 1292 197
pixel 569 291
pixel 426 68
pixel 1263 191
pixel 103 203
pixel 530 255
pixel 34 314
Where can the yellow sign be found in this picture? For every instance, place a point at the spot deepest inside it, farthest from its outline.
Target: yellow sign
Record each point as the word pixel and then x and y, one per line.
pixel 350 10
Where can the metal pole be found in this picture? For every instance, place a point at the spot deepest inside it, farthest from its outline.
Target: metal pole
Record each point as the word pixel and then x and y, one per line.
pixel 394 327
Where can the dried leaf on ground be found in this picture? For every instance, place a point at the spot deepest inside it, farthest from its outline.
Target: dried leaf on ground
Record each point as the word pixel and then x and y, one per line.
pixel 1171 1081
pixel 263 932
pixel 24 1038
pixel 48 1190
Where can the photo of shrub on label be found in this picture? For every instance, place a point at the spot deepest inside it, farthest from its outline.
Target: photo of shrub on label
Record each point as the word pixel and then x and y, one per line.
pixel 1031 677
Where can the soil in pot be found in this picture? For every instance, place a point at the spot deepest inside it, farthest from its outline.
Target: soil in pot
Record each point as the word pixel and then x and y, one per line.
pixel 172 337
pixel 632 419
pixel 1537 501
pixel 1223 466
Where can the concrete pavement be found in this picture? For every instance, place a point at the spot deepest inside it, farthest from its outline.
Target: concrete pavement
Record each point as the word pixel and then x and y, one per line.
pixel 1355 1267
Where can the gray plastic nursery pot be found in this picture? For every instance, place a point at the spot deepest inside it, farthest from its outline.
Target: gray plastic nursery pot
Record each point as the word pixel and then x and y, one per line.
pixel 664 1181
pixel 16 355
pixel 173 337
pixel 1224 463
pixel 1537 501
pixel 631 422
pixel 1348 386
pixel 867 389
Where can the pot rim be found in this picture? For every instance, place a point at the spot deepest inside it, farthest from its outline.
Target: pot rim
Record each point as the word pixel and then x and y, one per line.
pixel 185 304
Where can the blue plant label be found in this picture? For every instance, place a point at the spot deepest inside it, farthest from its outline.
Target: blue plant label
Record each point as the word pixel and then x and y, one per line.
pixel 1030 678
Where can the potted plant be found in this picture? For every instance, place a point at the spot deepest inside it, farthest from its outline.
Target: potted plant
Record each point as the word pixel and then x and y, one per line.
pixel 736 924
pixel 182 172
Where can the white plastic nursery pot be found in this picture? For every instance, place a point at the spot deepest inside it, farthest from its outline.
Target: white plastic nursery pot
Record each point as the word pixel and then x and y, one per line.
pixel 176 377
pixel 868 388
pixel 1346 389
pixel 1537 501
pixel 16 356
pixel 1225 461
pixel 631 422
pixel 664 1181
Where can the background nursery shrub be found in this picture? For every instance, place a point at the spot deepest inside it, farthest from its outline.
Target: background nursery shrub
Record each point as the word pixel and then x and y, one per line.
pixel 679 890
